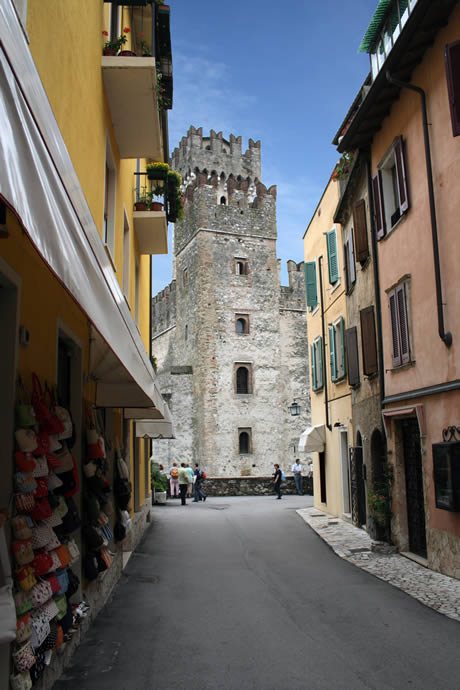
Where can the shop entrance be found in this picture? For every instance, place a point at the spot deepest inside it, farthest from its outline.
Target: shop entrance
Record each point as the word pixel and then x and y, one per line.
pixel 414 487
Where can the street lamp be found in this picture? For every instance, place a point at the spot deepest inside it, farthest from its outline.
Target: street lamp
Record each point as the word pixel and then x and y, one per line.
pixel 294 409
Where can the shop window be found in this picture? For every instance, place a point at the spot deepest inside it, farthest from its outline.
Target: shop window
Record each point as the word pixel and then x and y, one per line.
pixel 244 441
pixel 242 324
pixel 243 379
pixel 390 191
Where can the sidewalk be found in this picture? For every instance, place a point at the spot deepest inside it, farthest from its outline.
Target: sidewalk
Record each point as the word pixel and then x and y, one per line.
pixel 439 592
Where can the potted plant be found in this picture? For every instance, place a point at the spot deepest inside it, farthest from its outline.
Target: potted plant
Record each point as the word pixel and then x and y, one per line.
pixel 143 199
pixel 157 191
pixel 115 47
pixel 157 170
pixel 146 50
pixel 159 483
pixel 379 514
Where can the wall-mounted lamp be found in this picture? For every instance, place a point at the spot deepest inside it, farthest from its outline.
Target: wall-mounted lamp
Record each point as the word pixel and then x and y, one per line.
pixel 294 409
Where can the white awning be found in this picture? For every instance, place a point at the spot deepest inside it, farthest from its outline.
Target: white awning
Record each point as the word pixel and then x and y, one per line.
pixel 39 184
pixel 312 440
pixel 154 428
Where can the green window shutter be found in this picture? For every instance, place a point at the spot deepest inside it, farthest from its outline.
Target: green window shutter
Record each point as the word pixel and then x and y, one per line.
pixel 320 372
pixel 342 347
pixel 310 282
pixel 332 257
pixel 332 352
pixel 314 383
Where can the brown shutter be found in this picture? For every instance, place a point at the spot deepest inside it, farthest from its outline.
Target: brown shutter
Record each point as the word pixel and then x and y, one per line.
pixel 360 227
pixel 396 354
pixel 403 324
pixel 379 211
pixel 351 336
pixel 368 341
pixel 401 172
pixel 452 60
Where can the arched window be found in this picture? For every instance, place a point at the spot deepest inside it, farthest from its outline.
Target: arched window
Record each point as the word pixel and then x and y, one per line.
pixel 244 442
pixel 242 324
pixel 223 200
pixel 242 380
pixel 239 268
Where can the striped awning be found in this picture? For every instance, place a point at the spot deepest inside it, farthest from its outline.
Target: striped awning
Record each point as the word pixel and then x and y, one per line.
pixel 374 27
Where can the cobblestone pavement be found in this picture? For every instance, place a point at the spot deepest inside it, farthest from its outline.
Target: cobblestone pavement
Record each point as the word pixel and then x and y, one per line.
pixel 439 592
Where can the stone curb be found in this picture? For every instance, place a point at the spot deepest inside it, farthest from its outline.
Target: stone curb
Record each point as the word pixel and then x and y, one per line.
pixel 440 592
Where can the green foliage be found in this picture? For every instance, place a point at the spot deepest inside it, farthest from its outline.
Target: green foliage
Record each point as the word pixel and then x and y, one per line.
pixel 379 497
pixel 159 481
pixel 343 167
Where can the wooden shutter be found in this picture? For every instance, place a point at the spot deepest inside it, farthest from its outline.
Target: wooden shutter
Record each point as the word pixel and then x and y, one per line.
pixel 310 282
pixel 345 267
pixel 332 258
pixel 332 353
pixel 368 341
pixel 403 324
pixel 452 60
pixel 396 354
pixel 351 260
pixel 320 367
pixel 314 381
pixel 401 172
pixel 360 226
pixel 379 211
pixel 351 337
pixel 342 346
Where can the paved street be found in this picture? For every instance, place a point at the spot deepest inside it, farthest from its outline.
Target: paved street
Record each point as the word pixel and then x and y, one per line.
pixel 240 593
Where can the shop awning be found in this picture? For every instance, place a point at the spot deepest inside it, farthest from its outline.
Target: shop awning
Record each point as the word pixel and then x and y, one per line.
pixel 312 440
pixel 40 185
pixel 156 429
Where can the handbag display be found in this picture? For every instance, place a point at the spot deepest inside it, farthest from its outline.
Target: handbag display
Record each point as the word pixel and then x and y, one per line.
pixel 26 440
pixel 54 583
pixel 64 457
pixel 74 583
pixel 62 553
pixel 66 420
pixel 23 628
pixel 22 526
pixel 21 681
pixel 62 604
pixel 63 578
pixel 43 444
pixel 24 483
pixel 74 551
pixel 25 503
pixel 24 657
pixel 41 536
pixel 53 543
pixel 54 443
pixel 25 462
pixel 50 609
pixel 40 593
pixel 42 563
pixel 37 670
pixel 41 510
pixel 41 489
pixel 23 552
pixel 22 602
pixel 40 628
pixel 41 466
pixel 95 444
pixel 41 410
pixel 54 520
pixel 53 481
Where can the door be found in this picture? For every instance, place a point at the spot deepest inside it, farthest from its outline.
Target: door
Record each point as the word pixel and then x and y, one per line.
pixel 414 487
pixel 358 491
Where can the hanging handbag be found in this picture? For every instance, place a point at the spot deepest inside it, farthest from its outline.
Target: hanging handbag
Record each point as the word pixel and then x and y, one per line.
pixel 53 582
pixel 40 628
pixel 22 526
pixel 23 552
pixel 108 508
pixel 22 602
pixel 26 440
pixel 53 481
pixel 66 421
pixel 54 443
pixel 51 640
pixel 24 657
pixel 93 538
pixel 42 510
pixel 43 444
pixel 53 543
pixel 41 466
pixel 42 563
pixel 74 583
pixel 52 461
pixel 71 521
pixel 24 483
pixel 60 636
pixel 21 681
pixel 73 550
pixel 63 579
pixel 90 567
pixel 23 628
pixel 42 535
pixel 25 415
pixel 25 503
pixel 40 593
pixel 25 462
pixel 41 490
pixel 63 554
pixel 38 669
pixel 54 520
pixel 107 532
pixel 62 604
pixel 54 424
pixel 50 609
pixel 64 457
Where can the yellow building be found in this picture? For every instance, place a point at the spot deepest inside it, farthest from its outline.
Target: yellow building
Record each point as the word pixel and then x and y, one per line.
pixel 328 437
pixel 76 130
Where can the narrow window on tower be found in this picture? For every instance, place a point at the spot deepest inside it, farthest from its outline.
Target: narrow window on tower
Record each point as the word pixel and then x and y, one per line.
pixel 242 324
pixel 245 441
pixel 241 267
pixel 243 378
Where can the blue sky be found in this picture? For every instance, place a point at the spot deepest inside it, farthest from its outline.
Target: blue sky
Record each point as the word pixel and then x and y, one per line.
pixel 282 72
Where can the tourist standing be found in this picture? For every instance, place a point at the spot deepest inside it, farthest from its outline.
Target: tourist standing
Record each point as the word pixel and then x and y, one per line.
pixel 174 480
pixel 191 477
pixel 199 493
pixel 277 480
pixel 183 483
pixel 297 470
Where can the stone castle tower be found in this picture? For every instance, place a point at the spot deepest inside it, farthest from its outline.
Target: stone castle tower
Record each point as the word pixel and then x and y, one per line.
pixel 230 341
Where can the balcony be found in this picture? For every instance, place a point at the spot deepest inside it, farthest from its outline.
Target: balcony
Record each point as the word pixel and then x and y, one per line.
pixel 149 217
pixel 131 88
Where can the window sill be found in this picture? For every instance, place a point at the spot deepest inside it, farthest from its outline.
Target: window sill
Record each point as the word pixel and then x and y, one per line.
pixel 335 286
pixel 314 311
pixel 342 379
pixel 318 390
pixel 403 367
pixel 399 222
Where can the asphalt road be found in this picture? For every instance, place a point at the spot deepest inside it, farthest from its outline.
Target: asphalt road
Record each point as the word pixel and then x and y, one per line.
pixel 240 594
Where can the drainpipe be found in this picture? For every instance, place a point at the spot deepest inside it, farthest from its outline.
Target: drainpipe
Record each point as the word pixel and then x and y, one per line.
pixel 326 401
pixel 375 266
pixel 446 337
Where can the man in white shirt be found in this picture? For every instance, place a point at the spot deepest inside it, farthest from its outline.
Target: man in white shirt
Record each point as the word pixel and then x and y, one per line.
pixel 297 470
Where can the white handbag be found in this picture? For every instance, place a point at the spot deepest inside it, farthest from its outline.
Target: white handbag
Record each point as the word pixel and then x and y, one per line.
pixel 66 420
pixel 26 440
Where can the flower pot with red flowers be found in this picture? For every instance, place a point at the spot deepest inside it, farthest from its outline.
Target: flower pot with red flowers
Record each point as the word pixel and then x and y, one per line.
pixel 127 53
pixel 114 47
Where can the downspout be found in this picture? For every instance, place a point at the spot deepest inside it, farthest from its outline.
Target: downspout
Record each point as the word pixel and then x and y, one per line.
pixel 326 401
pixel 446 337
pixel 375 266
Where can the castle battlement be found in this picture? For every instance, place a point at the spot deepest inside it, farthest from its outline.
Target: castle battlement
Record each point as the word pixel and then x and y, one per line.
pixel 215 155
pixel 164 309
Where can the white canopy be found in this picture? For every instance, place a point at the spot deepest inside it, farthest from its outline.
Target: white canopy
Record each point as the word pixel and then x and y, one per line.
pixel 154 428
pixel 312 439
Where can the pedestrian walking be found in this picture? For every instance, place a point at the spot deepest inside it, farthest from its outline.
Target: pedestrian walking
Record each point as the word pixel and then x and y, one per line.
pixel 199 477
pixel 298 478
pixel 310 468
pixel 277 480
pixel 183 482
pixel 174 480
pixel 191 477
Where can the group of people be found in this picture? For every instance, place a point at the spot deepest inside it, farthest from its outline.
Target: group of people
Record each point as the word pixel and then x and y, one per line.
pixel 278 476
pixel 186 482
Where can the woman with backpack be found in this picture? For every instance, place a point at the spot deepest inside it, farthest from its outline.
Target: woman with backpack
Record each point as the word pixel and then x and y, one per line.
pixel 277 478
pixel 174 480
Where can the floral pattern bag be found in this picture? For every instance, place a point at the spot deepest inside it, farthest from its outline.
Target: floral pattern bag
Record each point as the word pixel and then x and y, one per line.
pixel 40 628
pixel 40 593
pixel 21 525
pixel 23 552
pixel 24 657
pixel 21 681
pixel 23 628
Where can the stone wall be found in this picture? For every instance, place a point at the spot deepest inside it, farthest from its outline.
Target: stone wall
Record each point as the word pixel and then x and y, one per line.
pixel 252 486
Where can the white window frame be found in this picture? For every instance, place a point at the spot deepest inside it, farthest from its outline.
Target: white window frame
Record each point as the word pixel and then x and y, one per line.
pixel 108 236
pixel 126 255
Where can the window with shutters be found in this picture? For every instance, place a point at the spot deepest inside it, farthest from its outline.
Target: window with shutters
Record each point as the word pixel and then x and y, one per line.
pixel 243 378
pixel 332 256
pixel 452 61
pixel 349 265
pixel 337 350
pixel 311 284
pixel 360 230
pixel 351 339
pixel 368 341
pixel 316 361
pixel 397 304
pixel 390 190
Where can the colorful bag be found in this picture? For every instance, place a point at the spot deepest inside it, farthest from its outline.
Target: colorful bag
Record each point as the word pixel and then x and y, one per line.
pixel 21 525
pixel 42 510
pixel 43 444
pixel 54 443
pixel 26 440
pixel 41 466
pixel 25 503
pixel 66 421
pixel 23 628
pixel 63 579
pixel 42 487
pixel 41 536
pixel 51 640
pixel 74 551
pixel 23 552
pixel 54 583
pixel 53 481
pixel 52 461
pixel 64 457
pixel 50 609
pixel 40 593
pixel 38 669
pixel 25 415
pixel 74 583
pixel 62 553
pixel 24 657
pixel 54 520
pixel 96 445
pixel 55 559
pixel 21 681
pixel 42 563
pixel 22 602
pixel 62 508
pixel 61 603
pixel 107 532
pixel 24 483
pixel 40 628
pixel 25 462
pixel 53 543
